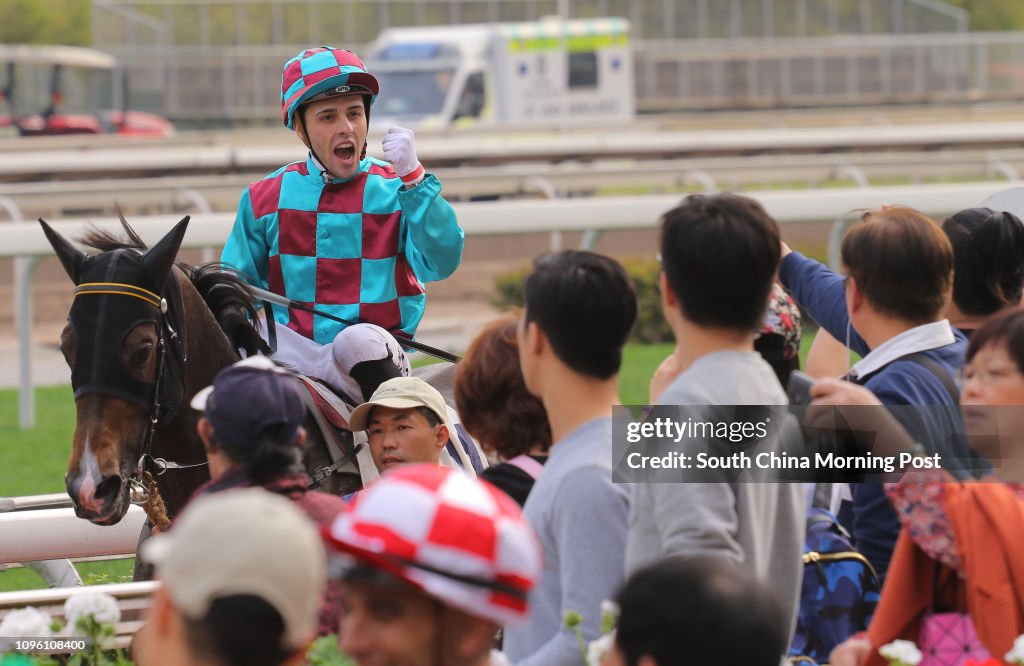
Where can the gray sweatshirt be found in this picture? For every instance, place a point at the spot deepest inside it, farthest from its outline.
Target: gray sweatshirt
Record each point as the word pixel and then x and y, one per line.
pixel 580 517
pixel 758 525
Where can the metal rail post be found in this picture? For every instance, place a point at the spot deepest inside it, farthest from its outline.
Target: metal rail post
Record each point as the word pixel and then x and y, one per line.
pixel 24 267
pixel 839 227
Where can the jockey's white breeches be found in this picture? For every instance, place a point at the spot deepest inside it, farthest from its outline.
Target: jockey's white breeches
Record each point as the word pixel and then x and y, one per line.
pixel 333 363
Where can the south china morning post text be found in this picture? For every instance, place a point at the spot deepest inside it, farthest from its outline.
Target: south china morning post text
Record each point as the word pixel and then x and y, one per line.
pixel 741 443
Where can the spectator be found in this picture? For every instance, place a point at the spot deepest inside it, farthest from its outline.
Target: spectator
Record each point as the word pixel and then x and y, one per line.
pixel 719 255
pixel 252 431
pixel 988 258
pixel 406 420
pixel 988 276
pixel 890 309
pixel 957 550
pixel 579 310
pixel 697 611
pixel 434 562
pixel 353 234
pixel 499 412
pixel 241 575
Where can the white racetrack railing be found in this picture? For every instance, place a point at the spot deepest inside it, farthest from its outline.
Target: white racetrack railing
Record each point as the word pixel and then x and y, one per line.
pixel 207 193
pixel 27 162
pixel 132 598
pixel 50 534
pixel 591 215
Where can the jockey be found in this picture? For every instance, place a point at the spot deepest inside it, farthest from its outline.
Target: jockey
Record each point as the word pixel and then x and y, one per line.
pixel 431 564
pixel 352 235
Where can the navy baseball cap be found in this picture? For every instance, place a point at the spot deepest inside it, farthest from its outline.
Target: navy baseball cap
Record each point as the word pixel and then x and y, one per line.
pixel 250 400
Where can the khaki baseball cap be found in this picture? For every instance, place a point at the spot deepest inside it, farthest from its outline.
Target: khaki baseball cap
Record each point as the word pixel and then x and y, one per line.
pixel 246 541
pixel 400 393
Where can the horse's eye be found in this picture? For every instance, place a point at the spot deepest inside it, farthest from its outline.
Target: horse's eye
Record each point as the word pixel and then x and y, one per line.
pixel 142 354
pixel 67 346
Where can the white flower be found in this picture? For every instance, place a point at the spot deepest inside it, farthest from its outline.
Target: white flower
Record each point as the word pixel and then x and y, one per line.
pixel 1015 655
pixel 29 622
pixel 609 607
pixel 901 652
pixel 102 607
pixel 598 648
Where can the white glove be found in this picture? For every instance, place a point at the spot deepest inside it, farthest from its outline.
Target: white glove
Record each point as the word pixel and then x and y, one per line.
pixel 400 149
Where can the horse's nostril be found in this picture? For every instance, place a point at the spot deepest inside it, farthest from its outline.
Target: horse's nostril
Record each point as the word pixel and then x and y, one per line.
pixel 109 488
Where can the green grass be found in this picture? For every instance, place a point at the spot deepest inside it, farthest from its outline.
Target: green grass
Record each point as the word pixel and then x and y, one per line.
pixel 33 463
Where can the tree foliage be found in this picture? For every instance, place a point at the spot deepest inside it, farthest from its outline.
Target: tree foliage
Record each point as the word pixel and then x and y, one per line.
pixel 45 22
pixel 993 14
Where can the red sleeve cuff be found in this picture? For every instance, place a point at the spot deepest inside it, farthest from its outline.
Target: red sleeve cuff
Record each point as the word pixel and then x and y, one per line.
pixel 413 177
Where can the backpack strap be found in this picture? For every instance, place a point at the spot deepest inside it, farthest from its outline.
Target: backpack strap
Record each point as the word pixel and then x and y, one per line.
pixel 936 369
pixel 928 363
pixel 822 496
pixel 528 465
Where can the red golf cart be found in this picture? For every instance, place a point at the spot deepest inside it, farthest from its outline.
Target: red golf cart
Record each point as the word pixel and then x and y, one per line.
pixel 53 90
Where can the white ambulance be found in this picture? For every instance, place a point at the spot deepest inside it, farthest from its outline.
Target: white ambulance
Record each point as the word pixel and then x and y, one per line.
pixel 544 72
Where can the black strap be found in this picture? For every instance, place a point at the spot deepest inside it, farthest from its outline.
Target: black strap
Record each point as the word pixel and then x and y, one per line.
pixel 926 362
pixel 822 496
pixel 936 369
pixel 271 324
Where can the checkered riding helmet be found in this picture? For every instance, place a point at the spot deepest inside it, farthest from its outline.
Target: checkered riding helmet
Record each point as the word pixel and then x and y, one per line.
pixel 324 69
pixel 459 539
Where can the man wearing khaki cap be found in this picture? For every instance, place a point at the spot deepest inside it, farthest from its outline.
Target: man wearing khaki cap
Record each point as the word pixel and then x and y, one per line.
pixel 406 421
pixel 242 574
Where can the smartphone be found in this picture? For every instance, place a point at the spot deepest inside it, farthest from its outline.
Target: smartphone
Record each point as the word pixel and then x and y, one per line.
pixel 799 388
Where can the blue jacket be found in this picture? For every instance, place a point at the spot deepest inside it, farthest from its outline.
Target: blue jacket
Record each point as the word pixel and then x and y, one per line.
pixel 937 427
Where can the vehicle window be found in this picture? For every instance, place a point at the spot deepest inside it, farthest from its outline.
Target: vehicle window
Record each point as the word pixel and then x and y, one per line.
pixel 471 102
pixel 583 70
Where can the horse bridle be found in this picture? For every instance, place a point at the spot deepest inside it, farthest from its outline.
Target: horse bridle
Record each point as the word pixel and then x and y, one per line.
pixel 167 335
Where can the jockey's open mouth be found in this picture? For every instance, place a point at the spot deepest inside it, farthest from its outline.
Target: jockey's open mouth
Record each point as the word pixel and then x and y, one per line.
pixel 345 151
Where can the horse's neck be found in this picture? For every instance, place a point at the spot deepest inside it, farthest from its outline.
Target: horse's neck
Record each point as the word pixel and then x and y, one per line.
pixel 209 351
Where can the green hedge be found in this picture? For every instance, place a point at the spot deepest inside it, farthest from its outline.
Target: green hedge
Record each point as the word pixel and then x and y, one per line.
pixel 650 324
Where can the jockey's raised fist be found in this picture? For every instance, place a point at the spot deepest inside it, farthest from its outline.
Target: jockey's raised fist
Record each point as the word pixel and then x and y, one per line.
pixel 400 149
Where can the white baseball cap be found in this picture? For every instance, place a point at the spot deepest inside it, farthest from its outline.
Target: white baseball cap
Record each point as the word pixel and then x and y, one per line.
pixel 246 541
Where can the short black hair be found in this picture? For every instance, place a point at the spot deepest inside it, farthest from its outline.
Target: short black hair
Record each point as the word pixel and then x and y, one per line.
pixel 699 611
pixel 586 305
pixel 433 420
pixel 239 630
pixel 264 460
pixel 988 260
pixel 719 254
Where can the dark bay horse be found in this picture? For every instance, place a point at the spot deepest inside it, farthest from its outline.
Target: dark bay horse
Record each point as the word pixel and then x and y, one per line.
pixel 143 336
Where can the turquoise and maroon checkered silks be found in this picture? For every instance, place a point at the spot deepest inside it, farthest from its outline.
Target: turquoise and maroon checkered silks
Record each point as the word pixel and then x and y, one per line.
pixel 342 252
pixel 316 70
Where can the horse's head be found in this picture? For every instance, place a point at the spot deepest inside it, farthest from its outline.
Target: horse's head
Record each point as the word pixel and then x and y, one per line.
pixel 115 344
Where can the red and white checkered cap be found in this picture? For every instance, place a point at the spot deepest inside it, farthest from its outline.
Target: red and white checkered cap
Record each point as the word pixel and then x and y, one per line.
pixel 459 539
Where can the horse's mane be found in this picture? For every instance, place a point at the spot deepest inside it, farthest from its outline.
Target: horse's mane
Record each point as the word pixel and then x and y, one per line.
pixel 105 241
pixel 223 290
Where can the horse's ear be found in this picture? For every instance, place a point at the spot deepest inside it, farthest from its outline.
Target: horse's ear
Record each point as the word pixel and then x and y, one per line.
pixel 70 256
pixel 159 258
